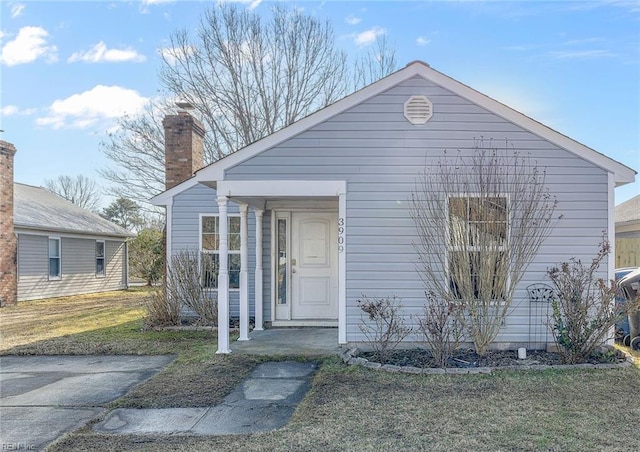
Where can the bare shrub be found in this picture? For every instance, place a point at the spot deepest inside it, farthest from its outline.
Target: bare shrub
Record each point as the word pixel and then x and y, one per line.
pixel 440 328
pixel 184 286
pixel 388 328
pixel 160 309
pixel 481 219
pixel 583 309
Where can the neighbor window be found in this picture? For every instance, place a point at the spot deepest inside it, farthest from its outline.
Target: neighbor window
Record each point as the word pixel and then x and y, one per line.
pixel 100 268
pixel 478 259
pixel 54 258
pixel 210 251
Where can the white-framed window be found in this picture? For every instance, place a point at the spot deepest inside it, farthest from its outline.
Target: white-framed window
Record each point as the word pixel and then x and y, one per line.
pixel 55 258
pixel 101 269
pixel 210 250
pixel 478 233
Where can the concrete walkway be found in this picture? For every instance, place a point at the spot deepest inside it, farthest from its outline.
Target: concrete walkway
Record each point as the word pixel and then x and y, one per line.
pixel 265 401
pixel 289 342
pixel 42 397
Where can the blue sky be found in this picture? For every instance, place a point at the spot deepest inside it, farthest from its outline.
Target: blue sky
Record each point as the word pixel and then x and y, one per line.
pixel 70 69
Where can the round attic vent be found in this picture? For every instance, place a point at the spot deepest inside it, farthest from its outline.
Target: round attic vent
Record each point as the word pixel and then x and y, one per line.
pixel 418 109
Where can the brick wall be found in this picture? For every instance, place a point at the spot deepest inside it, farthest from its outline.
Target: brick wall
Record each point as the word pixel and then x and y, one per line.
pixel 8 241
pixel 184 147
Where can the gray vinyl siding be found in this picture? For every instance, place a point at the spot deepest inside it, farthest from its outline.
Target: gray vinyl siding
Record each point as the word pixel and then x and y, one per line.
pixel 78 265
pixel 185 230
pixel 378 152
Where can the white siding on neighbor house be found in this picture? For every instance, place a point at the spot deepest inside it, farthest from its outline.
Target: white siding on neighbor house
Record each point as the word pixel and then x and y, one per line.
pixel 78 264
pixel 379 153
pixel 185 229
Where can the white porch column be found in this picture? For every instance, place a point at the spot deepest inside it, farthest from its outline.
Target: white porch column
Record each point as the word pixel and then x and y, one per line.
pixel 223 278
pixel 244 275
pixel 258 276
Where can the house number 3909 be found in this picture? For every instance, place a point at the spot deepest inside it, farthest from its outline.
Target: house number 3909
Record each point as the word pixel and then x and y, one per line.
pixel 340 235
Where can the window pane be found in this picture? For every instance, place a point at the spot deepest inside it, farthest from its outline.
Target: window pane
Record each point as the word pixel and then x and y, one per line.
pixel 458 207
pixel 458 222
pixel 54 267
pixel 234 225
pixel 234 271
pixel 100 267
pixel 209 269
pixel 234 242
pixel 234 233
pixel 210 242
pixel 54 248
pixel 281 246
pixel 99 249
pixel 210 225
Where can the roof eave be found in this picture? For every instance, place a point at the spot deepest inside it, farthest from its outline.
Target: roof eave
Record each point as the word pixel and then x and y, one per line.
pixel 19 226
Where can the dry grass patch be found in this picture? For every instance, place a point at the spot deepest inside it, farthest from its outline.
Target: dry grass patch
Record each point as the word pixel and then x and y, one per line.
pixel 29 322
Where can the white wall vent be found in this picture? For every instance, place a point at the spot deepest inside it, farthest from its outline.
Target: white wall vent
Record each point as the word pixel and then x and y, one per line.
pixel 418 109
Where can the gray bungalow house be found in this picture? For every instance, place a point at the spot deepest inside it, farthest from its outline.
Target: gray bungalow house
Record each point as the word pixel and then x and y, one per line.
pixel 303 222
pixel 63 249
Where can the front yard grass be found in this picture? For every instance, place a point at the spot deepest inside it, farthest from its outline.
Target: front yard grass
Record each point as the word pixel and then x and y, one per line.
pixel 347 408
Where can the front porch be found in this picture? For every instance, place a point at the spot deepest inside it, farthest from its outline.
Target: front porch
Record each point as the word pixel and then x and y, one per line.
pixel 307 275
pixel 290 341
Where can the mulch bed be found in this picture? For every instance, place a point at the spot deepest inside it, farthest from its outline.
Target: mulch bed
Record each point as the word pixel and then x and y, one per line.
pixel 467 358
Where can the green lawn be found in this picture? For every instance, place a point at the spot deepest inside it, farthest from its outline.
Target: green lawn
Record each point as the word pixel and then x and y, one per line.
pixel 347 408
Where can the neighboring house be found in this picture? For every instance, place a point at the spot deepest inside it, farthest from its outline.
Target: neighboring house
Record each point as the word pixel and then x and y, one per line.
pixel 628 233
pixel 329 195
pixel 64 249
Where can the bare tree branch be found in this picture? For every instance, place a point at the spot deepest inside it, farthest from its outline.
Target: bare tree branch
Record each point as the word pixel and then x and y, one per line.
pixel 80 190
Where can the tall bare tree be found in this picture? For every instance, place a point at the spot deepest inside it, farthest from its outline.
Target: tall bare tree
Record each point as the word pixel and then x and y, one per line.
pixel 377 63
pixel 137 150
pixel 247 76
pixel 80 190
pixel 481 219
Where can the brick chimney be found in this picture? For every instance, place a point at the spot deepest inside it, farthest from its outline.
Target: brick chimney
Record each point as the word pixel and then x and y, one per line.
pixel 8 241
pixel 183 147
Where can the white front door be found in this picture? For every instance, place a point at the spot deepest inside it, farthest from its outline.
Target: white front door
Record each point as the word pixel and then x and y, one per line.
pixel 314 266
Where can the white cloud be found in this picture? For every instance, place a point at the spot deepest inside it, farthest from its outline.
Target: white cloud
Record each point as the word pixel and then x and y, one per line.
pixel 99 104
pixel 422 41
pixel 581 54
pixel 253 4
pixel 171 55
pixel 16 9
pixel 12 110
pixel 100 54
pixel 8 110
pixel 29 45
pixel 352 20
pixel 368 37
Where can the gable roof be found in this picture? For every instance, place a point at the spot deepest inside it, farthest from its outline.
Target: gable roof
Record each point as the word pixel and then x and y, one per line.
pixel 215 171
pixel 629 211
pixel 38 208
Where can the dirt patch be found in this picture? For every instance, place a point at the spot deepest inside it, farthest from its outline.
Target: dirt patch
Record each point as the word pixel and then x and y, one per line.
pixel 467 358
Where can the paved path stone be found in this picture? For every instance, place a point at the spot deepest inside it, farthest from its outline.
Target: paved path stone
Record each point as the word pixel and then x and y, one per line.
pixel 263 402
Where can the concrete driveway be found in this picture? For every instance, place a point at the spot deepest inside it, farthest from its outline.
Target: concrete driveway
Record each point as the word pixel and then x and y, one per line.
pixel 43 397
